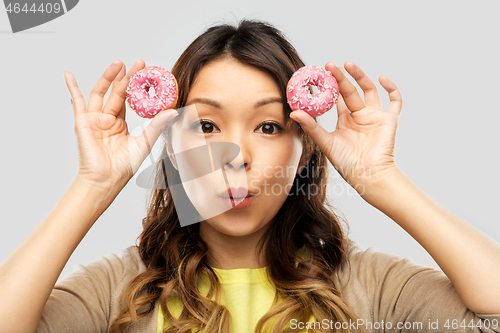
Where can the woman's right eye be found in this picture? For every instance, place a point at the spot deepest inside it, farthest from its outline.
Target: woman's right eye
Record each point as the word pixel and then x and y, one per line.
pixel 206 126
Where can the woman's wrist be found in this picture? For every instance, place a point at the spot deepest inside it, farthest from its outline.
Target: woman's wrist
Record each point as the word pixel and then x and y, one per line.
pixel 107 187
pixel 372 189
pixel 99 195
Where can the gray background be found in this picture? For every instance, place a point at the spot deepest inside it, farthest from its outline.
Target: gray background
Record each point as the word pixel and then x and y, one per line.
pixel 444 57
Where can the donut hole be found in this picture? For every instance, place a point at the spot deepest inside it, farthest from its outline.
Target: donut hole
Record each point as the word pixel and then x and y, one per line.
pixel 314 89
pixel 152 92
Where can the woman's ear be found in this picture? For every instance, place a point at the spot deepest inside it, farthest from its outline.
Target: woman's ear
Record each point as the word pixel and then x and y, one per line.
pixel 171 155
pixel 304 159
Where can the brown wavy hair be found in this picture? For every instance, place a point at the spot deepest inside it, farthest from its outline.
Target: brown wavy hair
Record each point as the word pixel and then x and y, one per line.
pixel 175 256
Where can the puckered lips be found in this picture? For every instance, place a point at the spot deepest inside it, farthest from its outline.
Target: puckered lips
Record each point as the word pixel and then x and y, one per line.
pixel 236 193
pixel 236 198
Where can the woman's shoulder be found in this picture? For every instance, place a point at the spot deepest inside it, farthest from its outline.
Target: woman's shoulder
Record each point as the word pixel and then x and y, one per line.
pixel 127 261
pixel 131 259
pixel 92 291
pixel 373 275
pixel 370 265
pixel 369 279
pixel 117 269
pixel 361 256
pixel 127 264
pixel 368 273
pixel 383 286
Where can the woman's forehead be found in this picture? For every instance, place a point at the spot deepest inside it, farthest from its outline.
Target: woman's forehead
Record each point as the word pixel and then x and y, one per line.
pixel 228 78
pixel 227 83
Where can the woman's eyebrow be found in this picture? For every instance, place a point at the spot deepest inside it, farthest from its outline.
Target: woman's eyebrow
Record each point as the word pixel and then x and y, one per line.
pixel 216 104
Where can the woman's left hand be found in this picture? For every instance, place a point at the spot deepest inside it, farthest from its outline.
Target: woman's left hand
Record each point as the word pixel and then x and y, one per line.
pixel 362 146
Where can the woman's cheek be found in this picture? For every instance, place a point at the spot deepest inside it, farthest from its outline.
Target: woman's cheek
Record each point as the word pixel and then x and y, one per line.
pixel 286 163
pixel 255 170
pixel 255 185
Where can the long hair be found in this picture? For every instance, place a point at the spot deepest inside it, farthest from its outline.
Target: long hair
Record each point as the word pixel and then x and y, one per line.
pixel 175 256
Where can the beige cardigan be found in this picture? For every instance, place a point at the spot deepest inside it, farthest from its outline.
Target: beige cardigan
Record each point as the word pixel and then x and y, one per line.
pixel 382 287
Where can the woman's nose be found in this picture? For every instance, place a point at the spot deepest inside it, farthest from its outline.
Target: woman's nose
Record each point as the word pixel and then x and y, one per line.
pixel 227 155
pixel 241 160
pixel 236 164
pixel 236 170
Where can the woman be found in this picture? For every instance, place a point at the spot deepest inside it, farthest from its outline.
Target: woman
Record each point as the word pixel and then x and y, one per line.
pixel 276 261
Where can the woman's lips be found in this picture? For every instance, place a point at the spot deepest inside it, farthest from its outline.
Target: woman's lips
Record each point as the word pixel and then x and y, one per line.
pixel 237 203
pixel 238 192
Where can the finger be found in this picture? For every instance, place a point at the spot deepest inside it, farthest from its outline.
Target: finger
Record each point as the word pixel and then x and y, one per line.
pixel 366 84
pixel 396 102
pixel 119 77
pixel 117 98
pixel 347 89
pixel 116 81
pixel 319 135
pixel 148 137
pixel 76 95
pixel 101 87
pixel 341 107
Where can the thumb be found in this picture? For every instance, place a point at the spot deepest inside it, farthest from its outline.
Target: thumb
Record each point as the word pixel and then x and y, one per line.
pixel 318 134
pixel 151 133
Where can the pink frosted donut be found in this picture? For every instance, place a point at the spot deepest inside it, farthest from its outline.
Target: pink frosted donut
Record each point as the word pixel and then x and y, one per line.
pixel 165 86
pixel 299 96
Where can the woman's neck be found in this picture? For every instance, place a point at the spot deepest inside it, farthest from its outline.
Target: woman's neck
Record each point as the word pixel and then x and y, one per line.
pixel 232 252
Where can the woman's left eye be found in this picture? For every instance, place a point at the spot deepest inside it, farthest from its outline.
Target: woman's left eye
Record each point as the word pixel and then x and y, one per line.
pixel 207 127
pixel 267 128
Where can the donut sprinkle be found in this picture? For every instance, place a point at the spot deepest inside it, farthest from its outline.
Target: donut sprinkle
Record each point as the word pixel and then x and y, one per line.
pixel 299 96
pixel 140 83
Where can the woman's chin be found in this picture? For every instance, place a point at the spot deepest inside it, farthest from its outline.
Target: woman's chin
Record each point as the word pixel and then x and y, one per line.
pixel 238 229
pixel 234 227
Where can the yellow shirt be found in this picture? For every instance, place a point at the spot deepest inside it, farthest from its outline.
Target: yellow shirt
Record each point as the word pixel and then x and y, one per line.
pixel 246 292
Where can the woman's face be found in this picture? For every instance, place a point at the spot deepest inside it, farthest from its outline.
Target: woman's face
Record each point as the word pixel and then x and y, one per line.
pixel 231 106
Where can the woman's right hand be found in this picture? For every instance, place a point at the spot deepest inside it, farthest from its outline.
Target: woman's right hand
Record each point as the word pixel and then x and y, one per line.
pixel 108 155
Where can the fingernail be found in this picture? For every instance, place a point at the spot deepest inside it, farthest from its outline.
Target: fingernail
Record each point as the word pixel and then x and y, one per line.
pixel 116 62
